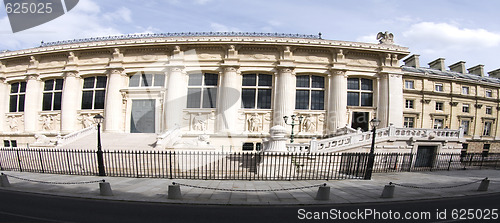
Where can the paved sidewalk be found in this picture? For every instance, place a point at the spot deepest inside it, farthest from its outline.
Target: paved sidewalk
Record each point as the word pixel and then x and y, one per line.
pixel 342 191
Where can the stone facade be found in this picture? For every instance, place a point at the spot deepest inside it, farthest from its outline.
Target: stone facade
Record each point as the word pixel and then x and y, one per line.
pixel 219 90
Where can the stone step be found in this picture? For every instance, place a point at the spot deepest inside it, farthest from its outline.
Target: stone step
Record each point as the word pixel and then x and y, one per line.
pixel 115 141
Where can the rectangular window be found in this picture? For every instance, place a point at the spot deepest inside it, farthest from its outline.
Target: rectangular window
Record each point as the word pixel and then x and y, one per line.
pixel 439 106
pixel 409 104
pixel 465 126
pixel 94 92
pixel 310 93
pixel 489 110
pixel 487 129
pixel 409 84
pixel 438 123
pixel 409 122
pixel 486 149
pixel 256 91
pixel 17 95
pixel 465 108
pixel 202 90
pixel 489 93
pixel 438 87
pixel 360 92
pixel 465 90
pixel 52 95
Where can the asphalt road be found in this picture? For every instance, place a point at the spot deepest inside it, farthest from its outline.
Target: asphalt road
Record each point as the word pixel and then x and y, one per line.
pixel 28 207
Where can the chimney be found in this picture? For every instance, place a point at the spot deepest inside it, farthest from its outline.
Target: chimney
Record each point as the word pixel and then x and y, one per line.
pixel 477 70
pixel 495 73
pixel 458 67
pixel 412 61
pixel 438 64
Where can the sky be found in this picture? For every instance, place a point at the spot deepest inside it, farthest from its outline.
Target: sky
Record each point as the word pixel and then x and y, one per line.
pixel 457 30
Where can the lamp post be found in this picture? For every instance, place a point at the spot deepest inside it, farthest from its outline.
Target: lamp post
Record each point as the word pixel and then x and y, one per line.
pixel 293 124
pixel 371 157
pixel 100 160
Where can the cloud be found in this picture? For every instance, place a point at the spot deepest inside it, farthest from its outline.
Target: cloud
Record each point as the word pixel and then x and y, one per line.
pixel 201 2
pixel 447 36
pixel 123 14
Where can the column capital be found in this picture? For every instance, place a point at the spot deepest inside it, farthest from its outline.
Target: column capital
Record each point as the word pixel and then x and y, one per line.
pixel 286 69
pixel 176 68
pixel 3 80
pixel 336 71
pixel 71 73
pixel 231 68
pixel 115 70
pixel 32 76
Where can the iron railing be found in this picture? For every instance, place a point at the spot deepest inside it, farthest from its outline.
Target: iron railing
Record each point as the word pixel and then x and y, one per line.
pixel 232 165
pixel 187 34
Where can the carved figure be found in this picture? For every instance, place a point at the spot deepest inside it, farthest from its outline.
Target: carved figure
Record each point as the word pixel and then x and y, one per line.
pixel 254 123
pixel 47 121
pixel 13 123
pixel 199 123
pixel 308 125
pixel 385 38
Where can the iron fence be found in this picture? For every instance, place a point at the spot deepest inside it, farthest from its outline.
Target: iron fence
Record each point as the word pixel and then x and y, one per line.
pixel 232 165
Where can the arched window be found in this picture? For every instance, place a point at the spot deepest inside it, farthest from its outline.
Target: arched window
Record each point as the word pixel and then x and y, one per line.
pixel 94 92
pixel 310 92
pixel 359 92
pixel 256 91
pixel 17 95
pixel 52 94
pixel 202 90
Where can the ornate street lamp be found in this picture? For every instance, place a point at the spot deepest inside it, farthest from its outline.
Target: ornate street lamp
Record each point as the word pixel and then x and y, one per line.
pixel 371 157
pixel 100 160
pixel 293 124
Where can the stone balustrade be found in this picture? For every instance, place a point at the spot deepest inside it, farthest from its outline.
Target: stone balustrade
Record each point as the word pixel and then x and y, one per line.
pixel 62 140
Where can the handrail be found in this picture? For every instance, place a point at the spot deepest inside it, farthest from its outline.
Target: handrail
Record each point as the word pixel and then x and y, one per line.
pixel 62 140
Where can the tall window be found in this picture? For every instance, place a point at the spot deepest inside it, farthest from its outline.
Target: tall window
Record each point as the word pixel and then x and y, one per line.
pixel 359 92
pixel 465 108
pixel 465 90
pixel 489 110
pixel 147 80
pixel 439 106
pixel 438 123
pixel 409 122
pixel 438 87
pixel 487 129
pixel 52 93
pixel 94 92
pixel 465 125
pixel 409 84
pixel 409 104
pixel 202 90
pixel 256 91
pixel 310 93
pixel 17 95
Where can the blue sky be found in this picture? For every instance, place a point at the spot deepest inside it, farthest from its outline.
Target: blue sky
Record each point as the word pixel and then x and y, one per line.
pixel 467 30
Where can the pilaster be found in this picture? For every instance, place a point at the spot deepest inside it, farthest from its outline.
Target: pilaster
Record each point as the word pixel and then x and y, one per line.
pixel 337 100
pixel 284 101
pixel 176 97
pixel 113 117
pixel 229 100
pixel 32 103
pixel 70 101
pixel 4 87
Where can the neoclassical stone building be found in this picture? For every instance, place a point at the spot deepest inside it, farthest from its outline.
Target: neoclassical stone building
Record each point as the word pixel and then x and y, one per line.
pixel 216 90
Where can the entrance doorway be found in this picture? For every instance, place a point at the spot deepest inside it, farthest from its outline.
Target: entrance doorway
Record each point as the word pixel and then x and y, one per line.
pixel 142 118
pixel 425 156
pixel 360 120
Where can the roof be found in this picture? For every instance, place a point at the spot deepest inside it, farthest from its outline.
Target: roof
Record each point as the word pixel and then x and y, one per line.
pixel 451 74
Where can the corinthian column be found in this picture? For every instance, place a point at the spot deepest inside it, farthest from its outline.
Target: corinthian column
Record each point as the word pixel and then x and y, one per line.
pixel 284 101
pixel 337 101
pixel 113 117
pixel 176 96
pixel 32 103
pixel 69 101
pixel 229 100
pixel 390 103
